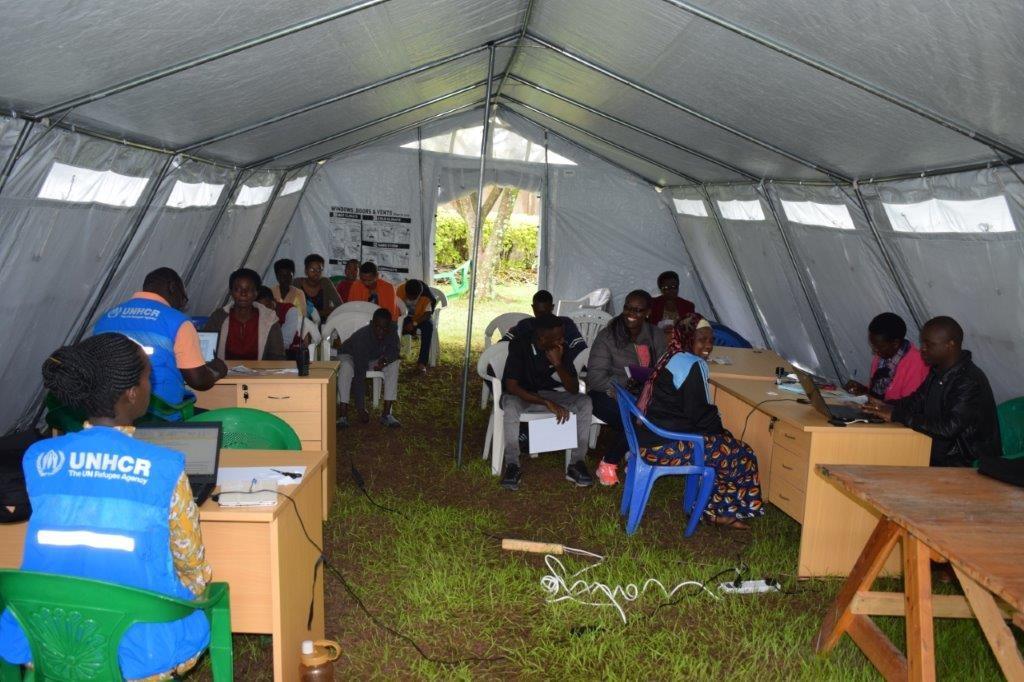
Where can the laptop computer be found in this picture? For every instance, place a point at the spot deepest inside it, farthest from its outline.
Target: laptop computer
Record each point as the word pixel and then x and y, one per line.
pixel 198 441
pixel 845 414
pixel 208 344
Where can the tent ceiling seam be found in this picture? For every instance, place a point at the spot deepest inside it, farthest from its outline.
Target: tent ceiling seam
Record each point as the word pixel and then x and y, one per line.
pixel 610 143
pixel 689 255
pixel 520 39
pixel 204 59
pixel 362 126
pixel 643 131
pixel 346 95
pixel 848 78
pixel 190 270
pixel 15 153
pixel 676 104
pixel 330 155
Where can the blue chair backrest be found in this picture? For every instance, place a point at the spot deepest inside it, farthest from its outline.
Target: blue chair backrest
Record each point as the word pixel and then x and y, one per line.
pixel 728 338
pixel 628 410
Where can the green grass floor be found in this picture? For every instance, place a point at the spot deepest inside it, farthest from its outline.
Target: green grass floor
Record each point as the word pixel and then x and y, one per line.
pixel 434 571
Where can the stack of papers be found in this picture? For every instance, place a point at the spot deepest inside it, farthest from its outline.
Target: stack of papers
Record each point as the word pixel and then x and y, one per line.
pixel 242 370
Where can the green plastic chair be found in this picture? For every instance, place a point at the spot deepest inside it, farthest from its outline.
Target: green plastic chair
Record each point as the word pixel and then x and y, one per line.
pixel 69 420
pixel 74 625
pixel 244 428
pixel 457 279
pixel 1011 427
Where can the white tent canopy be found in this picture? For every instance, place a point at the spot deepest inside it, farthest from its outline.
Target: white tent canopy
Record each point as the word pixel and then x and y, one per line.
pixel 804 166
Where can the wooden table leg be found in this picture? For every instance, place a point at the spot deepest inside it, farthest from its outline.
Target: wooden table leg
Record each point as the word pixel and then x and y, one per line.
pixel 990 618
pixel 917 589
pixel 867 568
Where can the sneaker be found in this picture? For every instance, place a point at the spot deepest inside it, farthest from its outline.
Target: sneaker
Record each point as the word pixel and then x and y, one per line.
pixel 342 422
pixel 578 474
pixel 389 421
pixel 607 473
pixel 513 474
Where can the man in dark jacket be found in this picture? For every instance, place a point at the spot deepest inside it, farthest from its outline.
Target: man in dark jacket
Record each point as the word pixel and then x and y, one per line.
pixel 954 405
pixel 375 347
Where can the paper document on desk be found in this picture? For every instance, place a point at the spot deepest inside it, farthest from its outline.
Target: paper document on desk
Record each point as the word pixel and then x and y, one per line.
pixel 547 434
pixel 242 370
pixel 226 475
pixel 720 360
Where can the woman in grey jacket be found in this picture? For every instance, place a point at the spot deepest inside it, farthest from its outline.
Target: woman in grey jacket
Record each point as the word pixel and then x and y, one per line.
pixel 629 341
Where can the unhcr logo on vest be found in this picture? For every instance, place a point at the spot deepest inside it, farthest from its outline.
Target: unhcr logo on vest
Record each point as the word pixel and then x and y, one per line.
pixel 134 313
pixel 50 462
pixel 109 466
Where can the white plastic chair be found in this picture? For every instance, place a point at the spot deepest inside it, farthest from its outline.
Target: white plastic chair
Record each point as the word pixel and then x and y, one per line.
pixel 495 357
pixel 353 307
pixel 599 299
pixel 580 363
pixel 343 326
pixel 435 341
pixel 589 322
pixel 501 324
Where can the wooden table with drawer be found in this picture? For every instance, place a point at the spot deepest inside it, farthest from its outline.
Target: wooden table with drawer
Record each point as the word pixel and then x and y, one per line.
pixel 790 439
pixel 746 363
pixel 308 404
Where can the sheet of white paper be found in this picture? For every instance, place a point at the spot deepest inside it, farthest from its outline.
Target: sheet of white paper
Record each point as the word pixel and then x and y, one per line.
pixel 242 370
pixel 236 474
pixel 547 434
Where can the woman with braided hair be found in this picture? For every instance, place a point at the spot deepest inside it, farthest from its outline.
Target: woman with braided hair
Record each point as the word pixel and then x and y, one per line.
pixel 112 508
pixel 676 397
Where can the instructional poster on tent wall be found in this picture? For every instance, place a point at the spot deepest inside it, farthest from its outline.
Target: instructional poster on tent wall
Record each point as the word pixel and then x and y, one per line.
pixel 370 234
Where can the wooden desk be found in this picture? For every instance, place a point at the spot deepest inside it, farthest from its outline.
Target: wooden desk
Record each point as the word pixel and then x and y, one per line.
pixel 950 514
pixel 790 439
pixel 309 404
pixel 261 553
pixel 747 363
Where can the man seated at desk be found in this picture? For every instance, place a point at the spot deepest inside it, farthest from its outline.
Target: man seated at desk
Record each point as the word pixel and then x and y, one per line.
pixel 537 366
pixel 153 319
pixel 954 405
pixel 374 347
pixel 544 304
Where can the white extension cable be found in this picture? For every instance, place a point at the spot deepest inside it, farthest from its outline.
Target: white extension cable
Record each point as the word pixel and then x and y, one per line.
pixel 563 587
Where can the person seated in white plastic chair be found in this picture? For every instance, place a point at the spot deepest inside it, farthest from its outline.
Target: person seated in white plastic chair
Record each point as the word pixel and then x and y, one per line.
pixel 544 304
pixel 537 366
pixel 374 347
pixel 289 319
pixel 420 303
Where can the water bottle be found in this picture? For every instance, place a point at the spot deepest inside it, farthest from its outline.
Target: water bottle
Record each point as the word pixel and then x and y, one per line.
pixel 317 660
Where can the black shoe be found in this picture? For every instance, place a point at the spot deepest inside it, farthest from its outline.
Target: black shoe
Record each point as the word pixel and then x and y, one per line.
pixel 513 474
pixel 578 474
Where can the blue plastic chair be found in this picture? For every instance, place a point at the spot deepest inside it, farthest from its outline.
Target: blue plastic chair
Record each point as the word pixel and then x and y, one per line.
pixel 640 476
pixel 728 338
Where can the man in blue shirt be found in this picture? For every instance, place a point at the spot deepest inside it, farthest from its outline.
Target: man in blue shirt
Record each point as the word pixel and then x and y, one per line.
pixel 537 366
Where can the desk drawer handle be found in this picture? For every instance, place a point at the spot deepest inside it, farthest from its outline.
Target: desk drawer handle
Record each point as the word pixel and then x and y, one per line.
pixel 783 497
pixel 279 397
pixel 786 435
pixel 787 468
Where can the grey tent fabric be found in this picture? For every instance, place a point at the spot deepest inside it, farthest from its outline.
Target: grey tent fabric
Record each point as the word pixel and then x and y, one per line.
pixel 56 252
pixel 821 105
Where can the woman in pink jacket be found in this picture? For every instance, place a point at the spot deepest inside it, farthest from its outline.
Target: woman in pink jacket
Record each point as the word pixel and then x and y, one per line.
pixel 897 368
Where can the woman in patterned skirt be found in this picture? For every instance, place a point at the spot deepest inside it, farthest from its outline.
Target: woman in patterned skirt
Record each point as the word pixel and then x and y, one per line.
pixel 677 398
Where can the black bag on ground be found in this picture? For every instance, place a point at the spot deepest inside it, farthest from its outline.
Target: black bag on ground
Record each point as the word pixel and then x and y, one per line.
pixel 14 505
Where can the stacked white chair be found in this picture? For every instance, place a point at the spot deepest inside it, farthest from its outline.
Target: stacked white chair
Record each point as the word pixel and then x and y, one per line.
pixel 580 363
pixel 589 321
pixel 598 299
pixel 501 324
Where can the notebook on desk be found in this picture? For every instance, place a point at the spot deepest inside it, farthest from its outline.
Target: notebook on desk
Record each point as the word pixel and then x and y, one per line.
pixel 198 441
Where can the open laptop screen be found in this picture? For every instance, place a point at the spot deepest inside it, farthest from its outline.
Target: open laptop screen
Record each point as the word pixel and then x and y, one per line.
pixel 199 442
pixel 208 343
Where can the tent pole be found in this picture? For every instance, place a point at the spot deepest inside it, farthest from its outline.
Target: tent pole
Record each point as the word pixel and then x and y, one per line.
pixel 474 254
pixel 812 299
pixel 8 166
pixel 387 134
pixel 901 286
pixel 614 145
pixel 343 96
pixel 693 262
pixel 122 249
pixel 676 104
pixel 203 59
pixel 426 232
pixel 545 222
pixel 847 78
pixel 368 124
pixel 587 150
pixel 643 131
pixel 190 270
pixel 739 272
pixel 520 39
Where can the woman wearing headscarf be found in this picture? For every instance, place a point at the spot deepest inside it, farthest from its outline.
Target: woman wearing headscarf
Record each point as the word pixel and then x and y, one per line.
pixel 677 398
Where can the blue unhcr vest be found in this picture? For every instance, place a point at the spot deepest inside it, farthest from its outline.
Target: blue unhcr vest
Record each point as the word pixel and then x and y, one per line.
pixel 154 326
pixel 100 501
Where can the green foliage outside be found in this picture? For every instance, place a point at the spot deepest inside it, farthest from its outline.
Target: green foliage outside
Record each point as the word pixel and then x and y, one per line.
pixel 518 256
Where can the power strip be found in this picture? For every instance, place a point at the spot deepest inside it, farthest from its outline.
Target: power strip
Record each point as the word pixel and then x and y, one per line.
pixel 750 587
